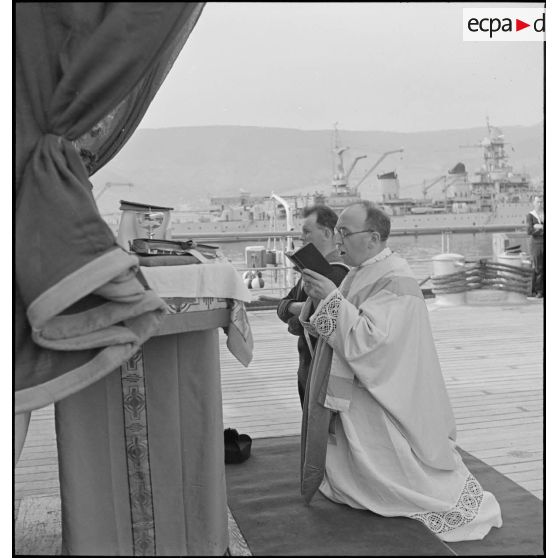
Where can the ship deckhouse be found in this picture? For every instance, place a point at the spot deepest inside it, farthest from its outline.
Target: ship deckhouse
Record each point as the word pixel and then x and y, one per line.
pixel 496 177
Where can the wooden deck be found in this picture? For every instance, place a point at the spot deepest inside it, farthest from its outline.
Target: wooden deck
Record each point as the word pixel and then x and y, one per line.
pixel 492 359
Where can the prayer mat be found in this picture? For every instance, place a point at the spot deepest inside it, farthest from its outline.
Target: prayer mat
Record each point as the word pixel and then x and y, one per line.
pixel 264 498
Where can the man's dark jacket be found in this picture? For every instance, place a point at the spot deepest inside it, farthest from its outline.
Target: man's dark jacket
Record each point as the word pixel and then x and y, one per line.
pixel 536 247
pixel 297 294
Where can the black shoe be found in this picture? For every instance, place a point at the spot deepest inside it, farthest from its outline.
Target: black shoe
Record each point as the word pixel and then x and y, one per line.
pixel 539 295
pixel 237 446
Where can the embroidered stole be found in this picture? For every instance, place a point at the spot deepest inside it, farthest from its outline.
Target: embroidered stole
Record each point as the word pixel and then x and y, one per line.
pixel 317 419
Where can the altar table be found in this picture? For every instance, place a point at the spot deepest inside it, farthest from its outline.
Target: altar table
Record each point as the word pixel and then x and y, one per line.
pixel 141 453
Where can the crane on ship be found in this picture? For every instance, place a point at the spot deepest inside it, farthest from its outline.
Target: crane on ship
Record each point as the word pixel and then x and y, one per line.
pixel 353 164
pixel 341 178
pixel 446 184
pixel 432 183
pixel 374 166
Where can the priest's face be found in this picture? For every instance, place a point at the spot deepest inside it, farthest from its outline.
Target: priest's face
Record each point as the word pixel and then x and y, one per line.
pixel 355 241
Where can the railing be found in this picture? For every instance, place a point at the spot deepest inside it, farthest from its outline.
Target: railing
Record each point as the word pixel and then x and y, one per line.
pixel 239 236
pixel 277 285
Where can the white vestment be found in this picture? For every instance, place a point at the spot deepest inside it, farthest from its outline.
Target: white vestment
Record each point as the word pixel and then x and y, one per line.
pixel 391 443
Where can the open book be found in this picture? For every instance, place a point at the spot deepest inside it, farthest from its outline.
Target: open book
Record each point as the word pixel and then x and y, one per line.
pixel 309 257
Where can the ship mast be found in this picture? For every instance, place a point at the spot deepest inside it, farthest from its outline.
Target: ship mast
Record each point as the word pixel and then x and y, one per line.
pixel 496 176
pixel 340 182
pixel 494 152
pixel 339 175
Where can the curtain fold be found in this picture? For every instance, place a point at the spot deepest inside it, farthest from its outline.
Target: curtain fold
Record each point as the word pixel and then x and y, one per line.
pixel 85 76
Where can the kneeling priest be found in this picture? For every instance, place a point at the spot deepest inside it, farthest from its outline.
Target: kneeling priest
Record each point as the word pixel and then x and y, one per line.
pixel 378 431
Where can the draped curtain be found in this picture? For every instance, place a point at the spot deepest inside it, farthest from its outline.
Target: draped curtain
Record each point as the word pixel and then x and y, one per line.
pixel 85 76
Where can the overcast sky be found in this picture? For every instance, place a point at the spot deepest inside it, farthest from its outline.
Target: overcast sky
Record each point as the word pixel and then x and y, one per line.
pixel 370 66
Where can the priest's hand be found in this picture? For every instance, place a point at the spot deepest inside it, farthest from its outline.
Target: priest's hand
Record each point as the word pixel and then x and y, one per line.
pixel 317 286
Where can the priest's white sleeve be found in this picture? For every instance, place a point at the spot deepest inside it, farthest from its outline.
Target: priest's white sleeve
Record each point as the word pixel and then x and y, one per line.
pixel 361 328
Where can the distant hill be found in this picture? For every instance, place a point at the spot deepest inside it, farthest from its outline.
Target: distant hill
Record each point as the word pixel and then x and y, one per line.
pixel 178 166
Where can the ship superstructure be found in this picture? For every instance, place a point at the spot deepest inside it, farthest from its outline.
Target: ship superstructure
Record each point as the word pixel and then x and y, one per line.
pixel 496 179
pixel 493 195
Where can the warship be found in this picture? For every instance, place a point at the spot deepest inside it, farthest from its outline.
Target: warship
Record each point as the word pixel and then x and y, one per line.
pixel 493 197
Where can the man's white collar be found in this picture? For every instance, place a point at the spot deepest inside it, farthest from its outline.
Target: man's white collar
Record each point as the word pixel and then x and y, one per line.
pixel 539 216
pixel 380 256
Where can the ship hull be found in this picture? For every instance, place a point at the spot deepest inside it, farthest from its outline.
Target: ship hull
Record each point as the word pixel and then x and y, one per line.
pixel 506 217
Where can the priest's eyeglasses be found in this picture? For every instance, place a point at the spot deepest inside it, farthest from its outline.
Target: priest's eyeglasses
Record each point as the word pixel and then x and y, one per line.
pixel 344 233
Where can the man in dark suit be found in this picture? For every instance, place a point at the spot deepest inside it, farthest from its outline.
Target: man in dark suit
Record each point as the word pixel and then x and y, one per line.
pixel 535 229
pixel 318 228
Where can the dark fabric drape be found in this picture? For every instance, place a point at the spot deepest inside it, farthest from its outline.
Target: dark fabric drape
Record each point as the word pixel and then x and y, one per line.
pixel 85 76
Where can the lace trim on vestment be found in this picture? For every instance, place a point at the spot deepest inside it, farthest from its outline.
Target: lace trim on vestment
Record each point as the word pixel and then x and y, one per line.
pixel 326 319
pixel 464 512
